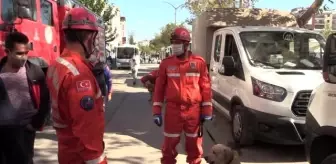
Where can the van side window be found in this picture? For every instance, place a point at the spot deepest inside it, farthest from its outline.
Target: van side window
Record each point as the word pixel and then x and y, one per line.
pixel 231 49
pixel 9 9
pixel 218 43
pixel 46 13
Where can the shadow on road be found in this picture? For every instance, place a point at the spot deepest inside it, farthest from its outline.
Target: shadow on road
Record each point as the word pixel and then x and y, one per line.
pixel 47 135
pixel 148 69
pixel 129 83
pixel 135 120
pixel 45 151
pixel 259 152
pixel 128 160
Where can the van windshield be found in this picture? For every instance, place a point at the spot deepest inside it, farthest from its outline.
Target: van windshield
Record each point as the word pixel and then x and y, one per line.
pixel 126 52
pixel 281 49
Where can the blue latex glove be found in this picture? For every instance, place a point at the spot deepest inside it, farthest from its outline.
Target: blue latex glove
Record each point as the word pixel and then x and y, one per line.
pixel 206 118
pixel 157 120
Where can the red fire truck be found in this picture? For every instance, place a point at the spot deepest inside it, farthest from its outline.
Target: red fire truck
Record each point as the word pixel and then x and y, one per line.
pixel 41 21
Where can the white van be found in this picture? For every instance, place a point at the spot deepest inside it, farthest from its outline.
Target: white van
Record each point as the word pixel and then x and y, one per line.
pixel 262 78
pixel 321 116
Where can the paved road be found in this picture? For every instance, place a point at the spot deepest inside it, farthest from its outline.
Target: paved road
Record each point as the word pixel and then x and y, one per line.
pixel 132 138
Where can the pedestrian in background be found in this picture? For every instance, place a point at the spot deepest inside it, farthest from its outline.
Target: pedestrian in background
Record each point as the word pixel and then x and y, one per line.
pixel 24 102
pixel 108 82
pixel 135 65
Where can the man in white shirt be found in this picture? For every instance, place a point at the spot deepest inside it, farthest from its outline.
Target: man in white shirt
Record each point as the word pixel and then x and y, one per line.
pixel 135 65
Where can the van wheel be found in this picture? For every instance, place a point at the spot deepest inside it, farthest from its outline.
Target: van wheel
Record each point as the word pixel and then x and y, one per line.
pixel 242 127
pixel 330 159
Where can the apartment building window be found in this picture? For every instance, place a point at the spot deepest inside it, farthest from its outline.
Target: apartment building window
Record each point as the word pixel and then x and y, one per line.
pixel 319 16
pixel 333 26
pixel 334 16
pixel 319 26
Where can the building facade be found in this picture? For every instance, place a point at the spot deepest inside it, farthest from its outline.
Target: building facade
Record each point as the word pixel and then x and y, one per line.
pixel 114 24
pixel 319 21
pixel 327 19
pixel 123 31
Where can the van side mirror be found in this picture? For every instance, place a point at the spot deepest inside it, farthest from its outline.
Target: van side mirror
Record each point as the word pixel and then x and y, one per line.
pixel 23 10
pixel 228 67
pixel 329 59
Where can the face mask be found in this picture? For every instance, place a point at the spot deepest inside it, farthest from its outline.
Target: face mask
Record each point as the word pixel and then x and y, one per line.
pixel 177 49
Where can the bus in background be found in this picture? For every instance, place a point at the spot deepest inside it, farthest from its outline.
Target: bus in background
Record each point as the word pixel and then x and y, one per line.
pixel 124 55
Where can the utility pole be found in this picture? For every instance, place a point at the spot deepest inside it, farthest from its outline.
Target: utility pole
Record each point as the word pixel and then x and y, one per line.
pixel 175 8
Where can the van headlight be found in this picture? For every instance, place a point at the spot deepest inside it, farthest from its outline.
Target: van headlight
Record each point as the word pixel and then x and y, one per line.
pixel 268 91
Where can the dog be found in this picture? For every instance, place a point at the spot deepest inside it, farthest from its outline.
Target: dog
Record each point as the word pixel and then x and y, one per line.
pixel 222 154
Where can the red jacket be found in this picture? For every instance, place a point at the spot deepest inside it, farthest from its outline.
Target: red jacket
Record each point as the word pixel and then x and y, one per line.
pixel 77 108
pixel 183 82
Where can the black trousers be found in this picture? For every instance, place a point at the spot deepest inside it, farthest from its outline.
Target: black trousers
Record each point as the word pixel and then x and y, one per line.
pixel 16 145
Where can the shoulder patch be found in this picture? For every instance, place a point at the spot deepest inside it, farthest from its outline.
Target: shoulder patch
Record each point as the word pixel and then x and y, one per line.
pixel 84 85
pixel 87 103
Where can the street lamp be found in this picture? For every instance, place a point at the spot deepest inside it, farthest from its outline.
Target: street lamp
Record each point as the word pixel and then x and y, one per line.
pixel 176 8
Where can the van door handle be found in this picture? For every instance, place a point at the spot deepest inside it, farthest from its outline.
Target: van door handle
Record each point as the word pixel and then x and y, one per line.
pixel 55 48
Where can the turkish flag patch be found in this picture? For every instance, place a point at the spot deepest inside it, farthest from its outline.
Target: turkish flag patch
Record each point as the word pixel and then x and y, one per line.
pixel 83 86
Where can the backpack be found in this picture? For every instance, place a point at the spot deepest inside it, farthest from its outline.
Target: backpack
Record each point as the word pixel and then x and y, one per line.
pixel 98 71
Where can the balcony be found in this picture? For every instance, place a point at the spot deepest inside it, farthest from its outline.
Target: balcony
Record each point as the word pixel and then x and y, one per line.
pixel 319 26
pixel 319 21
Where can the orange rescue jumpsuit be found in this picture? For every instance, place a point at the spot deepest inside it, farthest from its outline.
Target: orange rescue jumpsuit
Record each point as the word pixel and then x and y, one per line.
pixel 77 110
pixel 185 85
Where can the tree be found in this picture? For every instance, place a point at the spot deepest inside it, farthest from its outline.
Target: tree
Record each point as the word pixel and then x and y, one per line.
pixel 327 30
pixel 145 49
pixel 163 38
pixel 131 39
pixel 196 7
pixel 107 11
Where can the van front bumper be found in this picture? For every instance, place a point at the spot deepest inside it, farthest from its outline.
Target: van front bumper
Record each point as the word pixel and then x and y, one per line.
pixel 278 129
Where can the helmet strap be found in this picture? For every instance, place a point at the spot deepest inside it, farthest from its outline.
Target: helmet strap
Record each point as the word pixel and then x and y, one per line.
pixel 87 53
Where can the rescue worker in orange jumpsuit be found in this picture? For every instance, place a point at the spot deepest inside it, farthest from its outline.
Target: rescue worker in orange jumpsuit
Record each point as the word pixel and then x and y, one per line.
pixel 77 102
pixel 184 84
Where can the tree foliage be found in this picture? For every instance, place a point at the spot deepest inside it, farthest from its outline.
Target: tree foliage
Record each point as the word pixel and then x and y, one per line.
pixel 163 38
pixel 326 31
pixel 196 7
pixel 107 11
pixel 131 39
pixel 145 49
